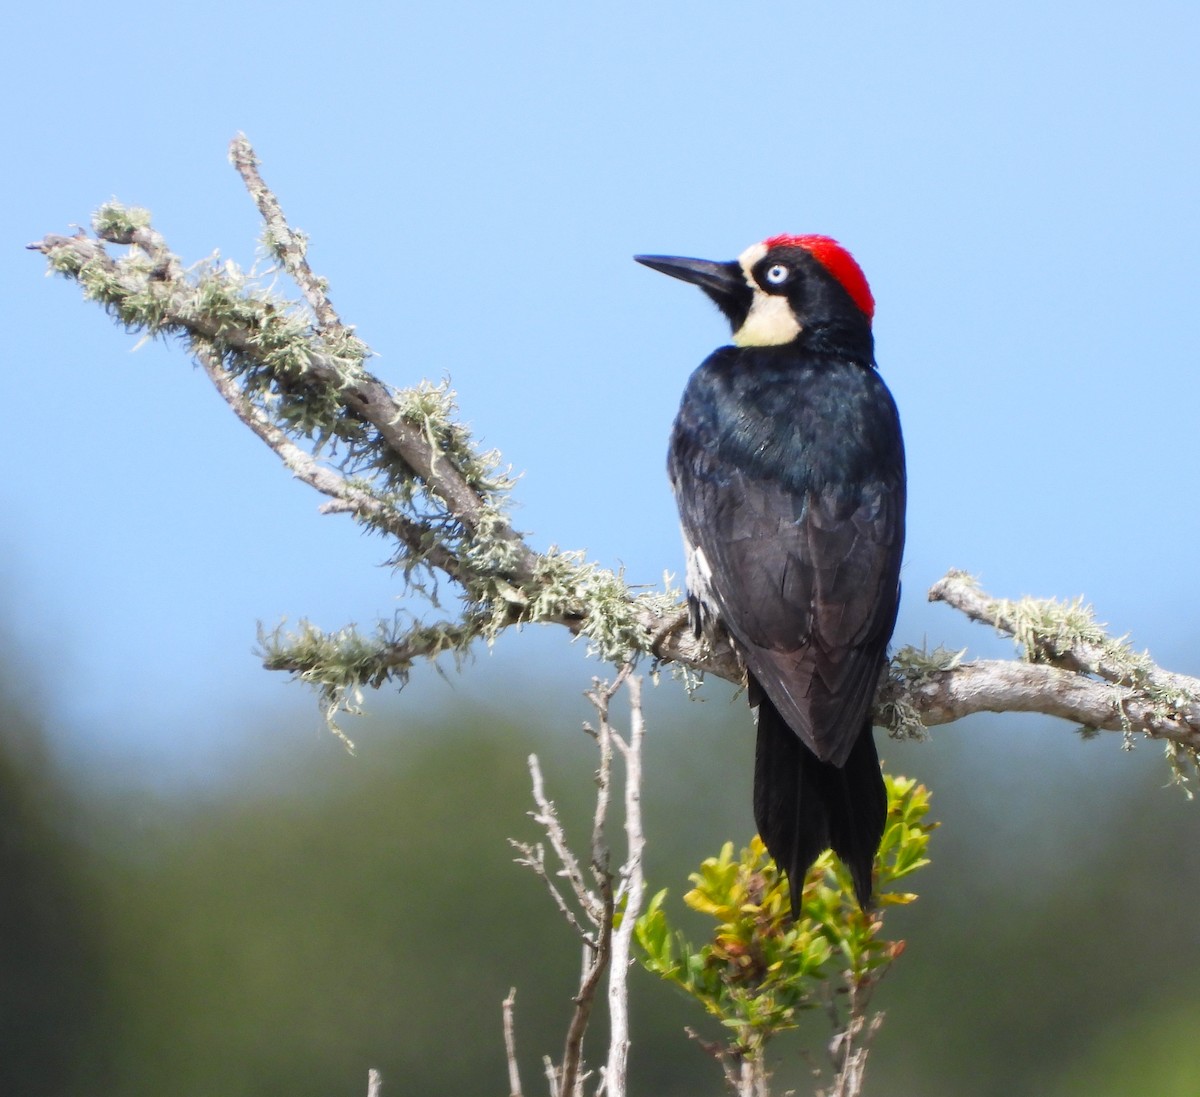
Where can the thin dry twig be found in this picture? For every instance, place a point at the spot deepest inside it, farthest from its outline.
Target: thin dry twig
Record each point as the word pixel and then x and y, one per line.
pixel 547 817
pixel 598 904
pixel 551 1076
pixel 510 1044
pixel 719 1052
pixel 347 496
pixel 851 1045
pixel 534 857
pixel 289 246
pixel 632 891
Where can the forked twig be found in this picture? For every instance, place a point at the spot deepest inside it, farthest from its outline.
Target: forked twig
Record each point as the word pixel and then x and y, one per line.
pixel 605 950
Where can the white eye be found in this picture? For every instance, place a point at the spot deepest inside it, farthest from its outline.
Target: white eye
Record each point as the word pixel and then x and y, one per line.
pixel 777 274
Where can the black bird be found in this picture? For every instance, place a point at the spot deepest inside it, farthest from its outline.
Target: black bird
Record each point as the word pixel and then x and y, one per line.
pixel 788 468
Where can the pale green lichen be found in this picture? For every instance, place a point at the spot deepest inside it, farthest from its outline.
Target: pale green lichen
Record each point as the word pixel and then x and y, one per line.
pixel 297 374
pixel 1048 631
pixel 908 668
pixel 340 664
pixel 116 222
pixel 1184 764
pixel 1058 633
pixel 281 245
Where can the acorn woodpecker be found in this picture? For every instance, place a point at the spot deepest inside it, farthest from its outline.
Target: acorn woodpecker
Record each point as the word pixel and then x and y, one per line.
pixel 788 468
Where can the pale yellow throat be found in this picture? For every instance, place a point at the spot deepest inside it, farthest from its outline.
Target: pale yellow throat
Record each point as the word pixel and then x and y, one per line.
pixel 770 321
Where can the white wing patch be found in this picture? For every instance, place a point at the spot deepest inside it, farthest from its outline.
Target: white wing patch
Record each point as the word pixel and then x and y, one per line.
pixel 699 585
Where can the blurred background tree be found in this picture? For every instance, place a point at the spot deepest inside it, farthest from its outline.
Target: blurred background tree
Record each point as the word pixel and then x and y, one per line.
pixel 323 913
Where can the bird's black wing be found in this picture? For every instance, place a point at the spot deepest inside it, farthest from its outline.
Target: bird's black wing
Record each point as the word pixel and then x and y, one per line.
pixel 806 581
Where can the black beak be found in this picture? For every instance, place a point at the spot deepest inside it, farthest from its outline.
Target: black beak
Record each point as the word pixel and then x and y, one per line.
pixel 710 276
pixel 725 283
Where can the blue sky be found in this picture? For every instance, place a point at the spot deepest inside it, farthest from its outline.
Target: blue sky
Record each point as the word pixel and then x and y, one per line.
pixel 1018 182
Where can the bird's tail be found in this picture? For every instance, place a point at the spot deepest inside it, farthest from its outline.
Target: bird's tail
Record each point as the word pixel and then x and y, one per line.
pixel 804 806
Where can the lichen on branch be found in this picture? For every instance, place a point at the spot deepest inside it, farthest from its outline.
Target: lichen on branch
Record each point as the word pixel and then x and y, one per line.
pixel 401 463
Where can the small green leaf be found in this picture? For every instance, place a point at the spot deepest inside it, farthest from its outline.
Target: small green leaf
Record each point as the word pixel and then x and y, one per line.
pixel 761 968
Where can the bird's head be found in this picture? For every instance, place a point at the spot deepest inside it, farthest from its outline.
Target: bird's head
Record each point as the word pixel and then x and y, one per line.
pixel 780 287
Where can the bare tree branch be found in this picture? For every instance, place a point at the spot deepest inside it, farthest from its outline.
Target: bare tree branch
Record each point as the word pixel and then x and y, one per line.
pixel 1071 668
pixel 1065 636
pixel 997 685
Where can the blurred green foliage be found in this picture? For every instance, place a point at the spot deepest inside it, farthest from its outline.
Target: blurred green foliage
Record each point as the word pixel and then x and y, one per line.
pixel 325 913
pixel 52 957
